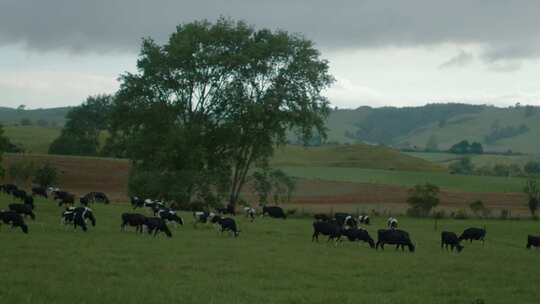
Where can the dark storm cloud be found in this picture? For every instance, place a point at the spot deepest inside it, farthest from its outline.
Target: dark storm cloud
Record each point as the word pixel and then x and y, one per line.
pixel 503 27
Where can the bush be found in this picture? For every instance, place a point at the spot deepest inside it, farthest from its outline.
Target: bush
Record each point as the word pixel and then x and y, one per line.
pixel 21 171
pixel 532 167
pixel 461 215
pixel 479 209
pixel 505 214
pixel 423 198
pixel 463 166
pixel 439 214
pixel 46 176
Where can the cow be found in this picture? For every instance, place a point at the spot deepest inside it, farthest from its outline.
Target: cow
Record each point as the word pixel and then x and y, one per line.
pixel 40 191
pixel 133 219
pixel 203 216
pixel 250 213
pixel 274 212
pixel 229 209
pixel 332 229
pixel 356 234
pixel 476 234
pixel 155 206
pixel 452 240
pixel 19 194
pixel 78 217
pixel 137 202
pixel 156 225
pixel 9 188
pixel 226 224
pixel 321 217
pixel 170 215
pixel 533 241
pixel 14 219
pixel 29 200
pixel 23 209
pixel 346 220
pixel 63 198
pixel 394 237
pixel 93 197
pixel 392 223
pixel 364 219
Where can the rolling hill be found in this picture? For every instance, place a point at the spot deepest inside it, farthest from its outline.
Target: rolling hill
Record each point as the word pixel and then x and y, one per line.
pixel 53 116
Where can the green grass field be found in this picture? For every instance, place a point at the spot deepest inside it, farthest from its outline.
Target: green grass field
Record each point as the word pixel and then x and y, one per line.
pixel 446 159
pixel 273 261
pixel 468 183
pixel 34 139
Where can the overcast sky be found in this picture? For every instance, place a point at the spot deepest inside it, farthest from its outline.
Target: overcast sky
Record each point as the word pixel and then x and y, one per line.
pixel 394 52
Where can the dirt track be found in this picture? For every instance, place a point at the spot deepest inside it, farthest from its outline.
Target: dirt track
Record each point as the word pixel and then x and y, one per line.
pixel 81 175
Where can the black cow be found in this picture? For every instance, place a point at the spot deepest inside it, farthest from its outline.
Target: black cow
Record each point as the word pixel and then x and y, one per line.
pixel 355 234
pixel 29 200
pixel 345 220
pixel 452 240
pixel 229 209
pixel 9 188
pixel 332 229
pixel 14 219
pixel 170 215
pixel 78 217
pixel 226 224
pixel 40 191
pixel 156 224
pixel 394 237
pixel 274 212
pixel 95 197
pixel 23 209
pixel 64 198
pixel 19 194
pixel 321 217
pixel 533 241
pixel 133 219
pixel 477 234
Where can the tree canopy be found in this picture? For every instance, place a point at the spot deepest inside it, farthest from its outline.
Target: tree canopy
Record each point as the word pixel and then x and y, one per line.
pixel 214 100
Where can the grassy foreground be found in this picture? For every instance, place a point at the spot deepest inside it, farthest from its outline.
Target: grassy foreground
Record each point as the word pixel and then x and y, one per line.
pixel 273 261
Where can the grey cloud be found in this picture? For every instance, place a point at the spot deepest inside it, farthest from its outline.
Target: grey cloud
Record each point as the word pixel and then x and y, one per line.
pixel 462 59
pixel 118 25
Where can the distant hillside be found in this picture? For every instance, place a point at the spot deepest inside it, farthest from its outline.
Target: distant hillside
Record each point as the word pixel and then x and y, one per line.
pixel 53 116
pixel 442 125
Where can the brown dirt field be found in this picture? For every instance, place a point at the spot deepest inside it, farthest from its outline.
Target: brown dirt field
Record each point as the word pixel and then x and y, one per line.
pixel 81 175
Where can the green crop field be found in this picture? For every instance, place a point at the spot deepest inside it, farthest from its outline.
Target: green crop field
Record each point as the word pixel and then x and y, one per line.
pixel 449 181
pixel 34 139
pixel 478 160
pixel 272 261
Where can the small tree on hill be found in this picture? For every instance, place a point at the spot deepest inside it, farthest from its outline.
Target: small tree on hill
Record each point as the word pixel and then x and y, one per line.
pixel 532 189
pixel 46 176
pixel 273 183
pixel 463 166
pixel 423 198
pixel 21 172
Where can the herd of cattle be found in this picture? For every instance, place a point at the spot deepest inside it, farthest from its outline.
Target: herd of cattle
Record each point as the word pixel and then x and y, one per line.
pixel 336 227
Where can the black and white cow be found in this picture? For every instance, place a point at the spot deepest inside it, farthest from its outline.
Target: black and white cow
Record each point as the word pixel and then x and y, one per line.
pixel 250 212
pixel 156 225
pixel 533 241
pixel 226 224
pixel 452 240
pixel 363 219
pixel 332 229
pixel 392 223
pixel 9 188
pixel 346 220
pixel 229 209
pixel 170 215
pixel 154 206
pixel 358 234
pixel 274 212
pixel 40 191
pixel 19 194
pixel 137 202
pixel 23 209
pixel 394 237
pixel 14 219
pixel 203 217
pixel 476 234
pixel 78 217
pixel 136 220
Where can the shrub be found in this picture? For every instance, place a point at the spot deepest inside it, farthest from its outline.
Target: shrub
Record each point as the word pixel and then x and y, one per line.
pixel 423 198
pixel 505 214
pixel 46 176
pixel 461 215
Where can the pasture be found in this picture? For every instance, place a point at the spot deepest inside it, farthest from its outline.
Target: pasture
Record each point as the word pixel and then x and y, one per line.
pixel 273 261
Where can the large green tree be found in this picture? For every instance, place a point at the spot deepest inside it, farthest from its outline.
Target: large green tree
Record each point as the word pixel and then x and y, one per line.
pixel 216 99
pixel 80 135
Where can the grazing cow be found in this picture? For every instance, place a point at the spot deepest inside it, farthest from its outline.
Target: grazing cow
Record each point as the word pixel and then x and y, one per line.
pixel 331 228
pixel 355 234
pixel 274 212
pixel 155 206
pixel 23 209
pixel 533 241
pixel 229 209
pixel 250 212
pixel 9 188
pixel 321 217
pixel 40 191
pixel 346 220
pixel 133 219
pixel 14 219
pixel 477 234
pixel 63 198
pixel 19 194
pixel 78 217
pixel 392 223
pixel 226 224
pixel 170 215
pixel 394 237
pixel 203 216
pixel 29 200
pixel 452 240
pixel 96 197
pixel 363 219
pixel 137 202
pixel 156 224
